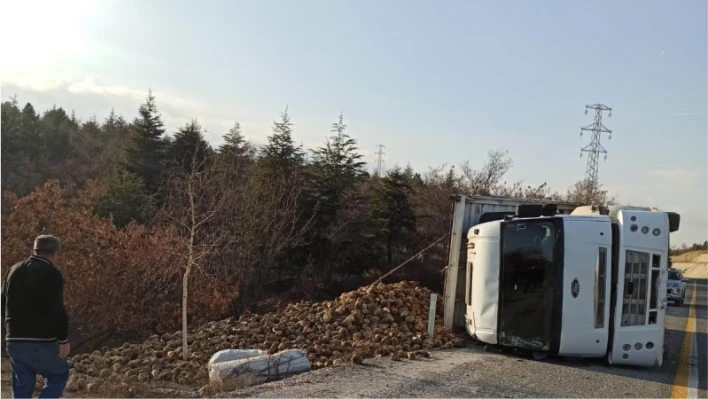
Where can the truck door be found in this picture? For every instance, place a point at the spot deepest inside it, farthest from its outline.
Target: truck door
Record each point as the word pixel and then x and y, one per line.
pixel 528 275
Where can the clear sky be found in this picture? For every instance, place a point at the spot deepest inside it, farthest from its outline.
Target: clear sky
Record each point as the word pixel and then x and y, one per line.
pixel 437 82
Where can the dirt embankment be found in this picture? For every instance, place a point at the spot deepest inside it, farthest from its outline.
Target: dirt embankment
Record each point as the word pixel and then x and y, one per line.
pixel 692 264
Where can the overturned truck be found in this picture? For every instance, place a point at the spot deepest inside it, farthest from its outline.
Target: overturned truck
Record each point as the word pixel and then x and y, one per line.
pixel 560 278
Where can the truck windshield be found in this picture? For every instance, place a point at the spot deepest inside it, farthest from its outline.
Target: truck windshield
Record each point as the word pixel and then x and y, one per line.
pixel 674 275
pixel 526 278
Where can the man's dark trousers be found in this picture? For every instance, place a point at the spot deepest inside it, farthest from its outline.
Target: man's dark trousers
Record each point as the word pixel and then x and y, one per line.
pixel 32 358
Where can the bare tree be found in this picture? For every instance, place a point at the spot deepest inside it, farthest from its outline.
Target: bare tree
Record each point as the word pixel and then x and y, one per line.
pixel 513 190
pixel 272 224
pixel 263 218
pixel 486 181
pixel 432 205
pixel 194 201
pixel 541 191
pixel 584 192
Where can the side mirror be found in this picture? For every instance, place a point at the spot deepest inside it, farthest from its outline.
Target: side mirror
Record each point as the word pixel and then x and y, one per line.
pixel 674 221
pixel 685 280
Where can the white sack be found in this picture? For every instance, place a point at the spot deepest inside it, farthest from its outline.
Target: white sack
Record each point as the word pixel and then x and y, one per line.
pixel 234 354
pixel 262 368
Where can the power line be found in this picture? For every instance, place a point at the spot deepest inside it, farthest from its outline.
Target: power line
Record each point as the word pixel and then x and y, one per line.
pixel 595 148
pixel 379 160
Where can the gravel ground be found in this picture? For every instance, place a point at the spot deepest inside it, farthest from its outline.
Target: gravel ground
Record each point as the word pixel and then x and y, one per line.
pixel 378 377
pixel 471 372
pixel 457 373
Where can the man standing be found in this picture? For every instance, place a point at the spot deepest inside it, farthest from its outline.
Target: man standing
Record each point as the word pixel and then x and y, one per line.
pixel 36 321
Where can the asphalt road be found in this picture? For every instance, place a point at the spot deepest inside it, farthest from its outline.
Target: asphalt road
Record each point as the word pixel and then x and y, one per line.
pixel 689 360
pixel 471 372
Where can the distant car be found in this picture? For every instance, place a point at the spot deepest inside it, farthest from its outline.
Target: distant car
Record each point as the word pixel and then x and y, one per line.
pixel 676 287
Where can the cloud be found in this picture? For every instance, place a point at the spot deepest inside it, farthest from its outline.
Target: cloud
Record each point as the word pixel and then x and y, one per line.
pixel 704 106
pixel 679 112
pixel 89 86
pixel 91 97
pixel 674 141
pixel 173 105
pixel 677 175
pixel 33 81
pixel 662 54
pixel 686 114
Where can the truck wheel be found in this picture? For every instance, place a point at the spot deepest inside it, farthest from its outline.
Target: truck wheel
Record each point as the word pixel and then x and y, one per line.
pixel 683 299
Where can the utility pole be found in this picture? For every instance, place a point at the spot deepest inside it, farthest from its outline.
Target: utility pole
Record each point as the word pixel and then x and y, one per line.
pixel 595 148
pixel 379 160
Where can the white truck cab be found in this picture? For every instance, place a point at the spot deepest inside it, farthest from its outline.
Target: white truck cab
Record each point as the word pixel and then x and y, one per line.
pixel 588 284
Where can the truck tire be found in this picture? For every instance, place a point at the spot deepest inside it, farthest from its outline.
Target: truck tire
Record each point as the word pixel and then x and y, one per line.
pixel 683 299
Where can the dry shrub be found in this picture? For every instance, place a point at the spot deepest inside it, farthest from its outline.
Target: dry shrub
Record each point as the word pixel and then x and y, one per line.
pixel 117 281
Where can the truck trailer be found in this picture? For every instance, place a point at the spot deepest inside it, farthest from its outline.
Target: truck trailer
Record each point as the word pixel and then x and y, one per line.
pixel 562 279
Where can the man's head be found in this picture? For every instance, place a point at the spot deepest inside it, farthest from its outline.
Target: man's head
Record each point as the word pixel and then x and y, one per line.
pixel 47 247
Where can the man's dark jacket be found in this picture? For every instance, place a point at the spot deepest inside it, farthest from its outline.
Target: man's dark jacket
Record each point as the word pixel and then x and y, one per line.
pixel 33 302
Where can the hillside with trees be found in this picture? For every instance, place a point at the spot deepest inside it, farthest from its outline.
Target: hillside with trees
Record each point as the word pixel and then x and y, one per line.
pixel 684 248
pixel 153 220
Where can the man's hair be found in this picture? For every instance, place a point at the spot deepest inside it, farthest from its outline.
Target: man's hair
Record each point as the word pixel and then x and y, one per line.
pixel 46 245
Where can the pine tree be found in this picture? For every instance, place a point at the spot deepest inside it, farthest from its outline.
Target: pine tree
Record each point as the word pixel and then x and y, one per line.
pixel 30 139
pixel 234 143
pixel 56 130
pixel 115 127
pixel 281 153
pixel 336 167
pixel 394 213
pixel 333 199
pixel 29 114
pixel 125 200
pixel 146 152
pixel 414 179
pixel 116 136
pixel 11 125
pixel 10 132
pixel 90 146
pixel 188 148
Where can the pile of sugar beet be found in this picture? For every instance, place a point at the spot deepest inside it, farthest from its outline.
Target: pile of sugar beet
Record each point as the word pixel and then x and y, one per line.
pixel 377 320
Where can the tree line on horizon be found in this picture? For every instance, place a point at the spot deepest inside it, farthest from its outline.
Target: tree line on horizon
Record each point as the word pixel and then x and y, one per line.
pixel 685 248
pixel 141 212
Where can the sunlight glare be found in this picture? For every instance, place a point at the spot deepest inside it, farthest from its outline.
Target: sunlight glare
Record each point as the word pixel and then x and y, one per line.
pixel 37 33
